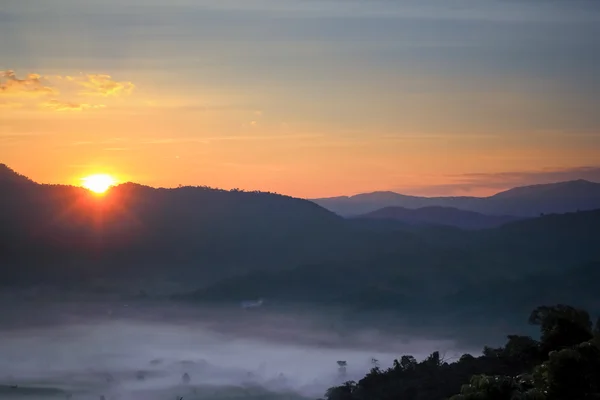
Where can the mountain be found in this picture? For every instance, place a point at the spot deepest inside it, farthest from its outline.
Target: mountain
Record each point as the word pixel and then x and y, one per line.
pixel 368 202
pixel 576 286
pixel 136 236
pixel 229 246
pixel 54 232
pixel 507 269
pixel 527 201
pixel 10 176
pixel 435 215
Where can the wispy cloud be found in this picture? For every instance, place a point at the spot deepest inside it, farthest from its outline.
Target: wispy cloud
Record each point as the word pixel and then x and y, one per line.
pixel 102 85
pixel 266 137
pixel 34 90
pixel 57 105
pixel 9 139
pixel 114 140
pixel 207 140
pixel 546 175
pixel 10 104
pixel 30 86
pixel 489 183
pixel 171 140
pixel 116 149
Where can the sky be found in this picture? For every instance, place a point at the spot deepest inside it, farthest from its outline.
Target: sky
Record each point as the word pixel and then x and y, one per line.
pixel 310 98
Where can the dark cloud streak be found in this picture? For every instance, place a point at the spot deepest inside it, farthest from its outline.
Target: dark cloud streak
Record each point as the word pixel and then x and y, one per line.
pixel 476 183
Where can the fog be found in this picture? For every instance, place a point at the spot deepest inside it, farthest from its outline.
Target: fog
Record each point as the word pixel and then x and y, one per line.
pixel 127 351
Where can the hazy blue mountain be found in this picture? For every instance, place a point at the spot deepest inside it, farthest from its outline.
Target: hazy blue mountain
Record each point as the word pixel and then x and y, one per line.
pixel 524 201
pixel 368 202
pixel 435 215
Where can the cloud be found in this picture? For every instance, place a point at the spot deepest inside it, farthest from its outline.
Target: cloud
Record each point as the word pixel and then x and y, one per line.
pixel 116 149
pixel 57 105
pixel 546 175
pixel 173 140
pixel 30 86
pixel 103 85
pixel 207 140
pixel 489 183
pixel 33 90
pixel 10 104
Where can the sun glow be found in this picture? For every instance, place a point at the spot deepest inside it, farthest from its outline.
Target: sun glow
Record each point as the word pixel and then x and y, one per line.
pixel 98 183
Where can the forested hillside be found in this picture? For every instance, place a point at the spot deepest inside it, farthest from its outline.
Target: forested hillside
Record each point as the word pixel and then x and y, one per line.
pixel 564 364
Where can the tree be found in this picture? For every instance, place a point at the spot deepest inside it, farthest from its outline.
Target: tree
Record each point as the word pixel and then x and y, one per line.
pixel 434 359
pixel 572 373
pixel 483 387
pixel 561 326
pixel 406 363
pixel 343 392
pixel 522 351
pixel 563 365
pixel 597 332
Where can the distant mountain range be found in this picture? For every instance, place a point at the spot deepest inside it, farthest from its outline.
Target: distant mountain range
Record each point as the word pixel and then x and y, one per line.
pixel 459 277
pixel 435 215
pixel 527 201
pixel 229 246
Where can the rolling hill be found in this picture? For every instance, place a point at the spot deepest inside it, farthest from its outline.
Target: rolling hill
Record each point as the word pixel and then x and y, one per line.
pixel 527 201
pixel 549 250
pixel 435 215
pixel 49 232
pixel 228 246
pixel 137 237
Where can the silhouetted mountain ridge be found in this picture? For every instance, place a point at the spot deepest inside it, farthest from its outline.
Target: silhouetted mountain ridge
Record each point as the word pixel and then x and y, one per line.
pixel 437 215
pixel 526 201
pixel 196 231
pixel 547 249
pixel 9 176
pixel 229 246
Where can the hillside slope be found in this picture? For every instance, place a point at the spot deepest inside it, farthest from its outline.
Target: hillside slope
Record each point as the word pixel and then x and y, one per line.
pixel 54 232
pixel 527 201
pixel 547 249
pixel 435 215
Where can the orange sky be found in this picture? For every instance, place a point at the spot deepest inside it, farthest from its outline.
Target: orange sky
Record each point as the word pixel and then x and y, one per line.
pixel 166 102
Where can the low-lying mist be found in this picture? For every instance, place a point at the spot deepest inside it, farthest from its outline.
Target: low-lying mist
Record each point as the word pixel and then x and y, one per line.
pixel 155 352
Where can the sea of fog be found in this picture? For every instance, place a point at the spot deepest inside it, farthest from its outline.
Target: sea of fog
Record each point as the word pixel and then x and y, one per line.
pixel 121 351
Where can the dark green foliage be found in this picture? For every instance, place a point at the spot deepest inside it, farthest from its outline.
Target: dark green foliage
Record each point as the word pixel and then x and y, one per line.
pixel 520 370
pixel 571 373
pixel 438 216
pixel 561 326
pixel 485 387
pixel 522 351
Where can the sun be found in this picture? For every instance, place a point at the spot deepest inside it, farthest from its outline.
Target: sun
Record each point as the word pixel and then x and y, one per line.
pixel 98 183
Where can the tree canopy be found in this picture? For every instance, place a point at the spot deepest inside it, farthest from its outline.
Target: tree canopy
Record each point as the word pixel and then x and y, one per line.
pixel 564 364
